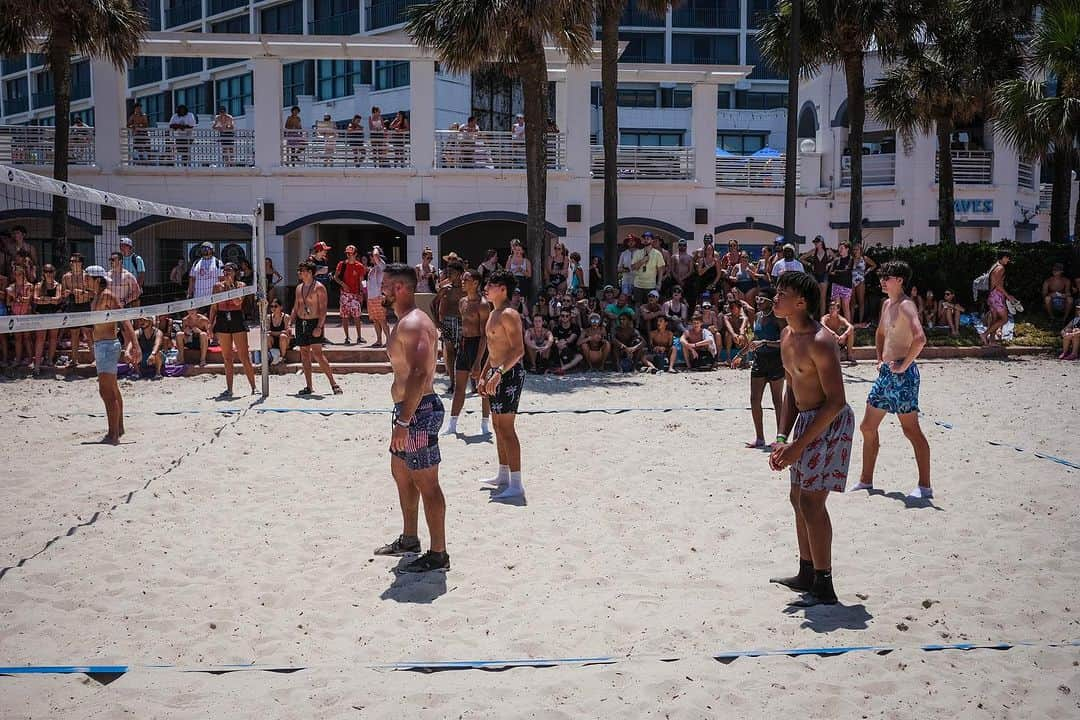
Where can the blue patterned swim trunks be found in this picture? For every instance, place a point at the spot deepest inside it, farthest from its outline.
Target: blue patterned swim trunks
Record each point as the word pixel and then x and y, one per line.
pixel 422 446
pixel 896 392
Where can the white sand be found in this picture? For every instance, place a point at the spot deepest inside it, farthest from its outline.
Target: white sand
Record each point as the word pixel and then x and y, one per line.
pixel 646 535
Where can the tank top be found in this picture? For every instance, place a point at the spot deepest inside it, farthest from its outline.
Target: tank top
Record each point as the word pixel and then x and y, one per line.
pixel 574 281
pixel 279 327
pixel 858 271
pixel 517 268
pixel 766 328
pixel 146 344
pixel 841 273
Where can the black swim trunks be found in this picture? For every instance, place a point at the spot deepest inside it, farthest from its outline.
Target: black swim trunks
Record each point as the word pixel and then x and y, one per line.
pixel 229 321
pixel 422 446
pixel 467 352
pixel 304 330
pixel 767 364
pixel 508 395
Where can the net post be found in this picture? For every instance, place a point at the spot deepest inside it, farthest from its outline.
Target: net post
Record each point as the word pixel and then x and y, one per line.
pixel 258 240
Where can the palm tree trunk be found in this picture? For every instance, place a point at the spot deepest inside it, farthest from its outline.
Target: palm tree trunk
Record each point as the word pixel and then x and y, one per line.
pixel 853 73
pixel 1060 197
pixel 610 12
pixel 60 67
pixel 1076 221
pixel 534 81
pixel 946 189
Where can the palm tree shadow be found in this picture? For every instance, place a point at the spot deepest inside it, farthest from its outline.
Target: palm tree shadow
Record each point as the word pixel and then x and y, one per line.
pixel 418 588
pixel 827 618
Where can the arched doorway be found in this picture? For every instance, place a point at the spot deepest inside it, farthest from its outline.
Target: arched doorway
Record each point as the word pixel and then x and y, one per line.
pixel 667 233
pixel 808 123
pixel 471 236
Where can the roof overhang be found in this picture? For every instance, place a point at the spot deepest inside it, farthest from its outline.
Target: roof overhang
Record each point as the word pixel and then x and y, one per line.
pixel 656 73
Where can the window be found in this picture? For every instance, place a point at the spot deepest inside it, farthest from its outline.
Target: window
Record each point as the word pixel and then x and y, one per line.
pixel 196 97
pixel 705 49
pixel 287 19
pixel 706 14
pixel 391 74
pixel 152 10
pixel 16 96
pixel 155 108
pixel 723 99
pixel 239 24
pixel 214 7
pixel 636 17
pixel 235 93
pixel 336 17
pixel 87 116
pixel 13 64
pixel 178 12
pixel 43 90
pixel 80 81
pixel 336 78
pixel 738 142
pixel 295 80
pixel 177 66
pixel 746 100
pixel 643 47
pixel 651 138
pixel 636 97
pixel 756 10
pixel 144 70
pixel 679 97
pixel 762 70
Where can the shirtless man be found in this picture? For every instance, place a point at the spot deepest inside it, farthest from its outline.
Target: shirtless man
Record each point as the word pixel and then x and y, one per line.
pixel 819 447
pixel 682 266
pixel 1057 293
pixel 842 330
pixel 699 346
pixel 107 352
pixel 899 340
pixel 661 348
pixel 195 333
pixel 447 309
pixel 473 313
pixel 418 415
pixel 999 310
pixel 503 380
pixel 594 343
pixel 76 286
pixel 308 317
pixel 538 344
pixel 629 345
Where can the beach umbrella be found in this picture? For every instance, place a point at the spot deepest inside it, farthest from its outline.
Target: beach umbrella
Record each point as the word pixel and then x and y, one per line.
pixel 766 152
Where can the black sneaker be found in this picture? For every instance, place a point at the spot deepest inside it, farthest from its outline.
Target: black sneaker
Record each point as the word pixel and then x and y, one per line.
pixel 428 562
pixel 402 545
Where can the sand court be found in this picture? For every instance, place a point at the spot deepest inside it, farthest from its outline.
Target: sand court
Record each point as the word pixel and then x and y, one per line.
pixel 646 535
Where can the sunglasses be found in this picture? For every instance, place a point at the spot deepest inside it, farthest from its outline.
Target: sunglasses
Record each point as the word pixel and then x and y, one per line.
pixel 676 292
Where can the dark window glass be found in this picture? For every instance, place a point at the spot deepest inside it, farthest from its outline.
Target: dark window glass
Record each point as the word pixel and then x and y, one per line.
pixel 294 81
pixel 762 70
pixel 391 74
pixel 235 94
pixel 642 48
pixel 195 97
pixel 705 49
pixel 741 143
pixel 746 100
pixel 239 24
pixel 287 19
pixel 651 138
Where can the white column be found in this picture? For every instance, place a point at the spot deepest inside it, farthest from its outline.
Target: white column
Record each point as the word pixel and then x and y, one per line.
pixel 577 98
pixel 109 112
pixel 267 112
pixel 703 130
pixel 422 113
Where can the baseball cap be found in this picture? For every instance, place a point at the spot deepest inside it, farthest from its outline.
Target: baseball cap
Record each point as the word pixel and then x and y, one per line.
pixel 125 241
pixel 320 246
pixel 778 240
pixel 789 246
pixel 609 287
pixel 207 245
pixel 96 271
pixel 653 293
pixel 350 248
pixel 682 241
pixel 646 234
pixel 706 304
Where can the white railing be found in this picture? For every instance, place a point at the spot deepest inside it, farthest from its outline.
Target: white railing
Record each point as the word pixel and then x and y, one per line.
pixel 1046 195
pixel 33 145
pixel 484 150
pixel 751 172
pixel 342 148
pixel 876 170
pixel 647 163
pixel 1025 174
pixel 971 167
pixel 201 147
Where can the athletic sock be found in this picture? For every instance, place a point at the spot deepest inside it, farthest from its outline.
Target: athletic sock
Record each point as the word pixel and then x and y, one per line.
pixel 451 426
pixel 823 587
pixel 485 428
pixel 921 493
pixel 501 478
pixel 513 489
pixel 803 581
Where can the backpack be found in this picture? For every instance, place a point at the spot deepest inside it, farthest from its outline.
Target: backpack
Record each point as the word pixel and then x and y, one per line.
pixel 980 284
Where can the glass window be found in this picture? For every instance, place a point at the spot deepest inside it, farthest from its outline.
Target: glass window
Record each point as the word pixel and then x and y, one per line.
pixel 636 97
pixel 391 74
pixel 239 24
pixel 723 99
pixel 214 7
pixel 706 14
pixel 756 10
pixel 679 97
pixel 87 116
pixel 643 47
pixel 335 17
pixel 235 94
pixel 295 81
pixel 145 69
pixel 705 49
pixel 741 143
pixel 636 17
pixel 80 80
pixel 177 66
pixel 746 100
pixel 287 19
pixel 762 70
pixel 651 138
pixel 154 106
pixel 336 78
pixel 196 97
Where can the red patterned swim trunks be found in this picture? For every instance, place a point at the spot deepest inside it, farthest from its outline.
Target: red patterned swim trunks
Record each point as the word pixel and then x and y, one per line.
pixel 824 463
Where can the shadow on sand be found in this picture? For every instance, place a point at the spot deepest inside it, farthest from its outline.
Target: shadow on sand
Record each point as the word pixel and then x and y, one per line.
pixel 827 618
pixel 420 588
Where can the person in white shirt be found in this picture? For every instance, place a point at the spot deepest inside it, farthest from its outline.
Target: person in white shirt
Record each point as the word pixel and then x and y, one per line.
pixel 183 123
pixel 626 258
pixel 205 273
pixel 376 309
pixel 787 263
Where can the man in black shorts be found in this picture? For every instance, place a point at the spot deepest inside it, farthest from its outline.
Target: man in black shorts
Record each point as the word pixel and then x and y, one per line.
pixel 566 342
pixel 418 415
pixel 472 349
pixel 308 317
pixel 503 380
pixel 767 367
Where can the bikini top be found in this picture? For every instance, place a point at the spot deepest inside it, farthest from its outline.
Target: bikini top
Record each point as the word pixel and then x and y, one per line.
pixel 517 268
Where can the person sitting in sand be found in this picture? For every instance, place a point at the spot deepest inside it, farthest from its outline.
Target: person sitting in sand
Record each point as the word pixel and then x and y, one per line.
pixel 566 343
pixel 949 312
pixel 841 329
pixel 735 326
pixel 538 345
pixel 277 331
pixel 195 333
pixel 594 343
pixel 150 352
pixel 661 348
pixel 1070 337
pixel 929 309
pixel 629 345
pixel 699 348
pixel 815 433
pixel 1057 293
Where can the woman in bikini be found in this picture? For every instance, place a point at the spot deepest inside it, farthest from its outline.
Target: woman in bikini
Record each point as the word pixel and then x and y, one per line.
pixel 741 278
pixel 519 266
pixel 227 325
pixel 557 267
pixel 47 300
pixel 861 266
pixel 841 277
pixel 277 335
pixel 20 301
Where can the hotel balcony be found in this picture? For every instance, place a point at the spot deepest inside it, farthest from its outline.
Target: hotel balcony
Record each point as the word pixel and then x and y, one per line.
pixel 13 106
pixel 33 145
pixel 971 167
pixel 341 149
pixel 876 169
pixel 647 163
pixel 753 173
pixel 346 23
pixel 459 150
pixel 701 14
pixel 201 148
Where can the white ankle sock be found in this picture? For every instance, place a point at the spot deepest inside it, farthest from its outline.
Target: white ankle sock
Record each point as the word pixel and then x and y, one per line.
pixel 485 427
pixel 514 489
pixel 501 478
pixel 861 486
pixel 451 426
pixel 921 493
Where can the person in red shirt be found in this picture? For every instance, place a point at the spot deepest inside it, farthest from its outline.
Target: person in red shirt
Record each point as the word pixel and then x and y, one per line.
pixel 350 274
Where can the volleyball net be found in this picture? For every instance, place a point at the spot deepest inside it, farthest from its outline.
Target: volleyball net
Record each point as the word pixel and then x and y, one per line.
pixel 153 253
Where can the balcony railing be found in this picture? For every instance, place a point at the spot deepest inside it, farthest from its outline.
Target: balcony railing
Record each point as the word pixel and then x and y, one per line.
pixel 16 105
pixel 492 150
pixel 699 14
pixel 1046 194
pixel 201 147
pixel 751 172
pixel 1025 174
pixel 876 170
pixel 33 145
pixel 347 23
pixel 340 148
pixel 647 163
pixel 382 13
pixel 971 167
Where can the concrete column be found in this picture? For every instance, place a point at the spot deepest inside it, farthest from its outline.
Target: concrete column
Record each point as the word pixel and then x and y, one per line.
pixel 109 113
pixel 267 112
pixel 422 113
pixel 576 94
pixel 703 131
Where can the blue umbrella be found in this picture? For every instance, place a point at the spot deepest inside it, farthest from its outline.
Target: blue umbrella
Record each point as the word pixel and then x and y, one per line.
pixel 721 152
pixel 766 152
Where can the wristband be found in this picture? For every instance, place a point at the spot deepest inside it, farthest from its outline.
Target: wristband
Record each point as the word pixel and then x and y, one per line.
pixel 780 438
pixel 401 423
pixel 500 371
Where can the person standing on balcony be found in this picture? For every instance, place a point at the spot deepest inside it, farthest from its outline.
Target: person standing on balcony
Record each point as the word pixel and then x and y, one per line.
pixel 470 139
pixel 183 123
pixel 294 136
pixel 327 131
pixel 225 125
pixel 517 140
pixel 399 136
pixel 354 138
pixel 377 137
pixel 140 137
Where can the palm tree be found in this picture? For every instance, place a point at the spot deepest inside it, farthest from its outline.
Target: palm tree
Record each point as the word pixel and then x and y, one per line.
pixel 467 35
pixel 943 83
pixel 110 29
pixel 841 32
pixel 609 12
pixel 1042 121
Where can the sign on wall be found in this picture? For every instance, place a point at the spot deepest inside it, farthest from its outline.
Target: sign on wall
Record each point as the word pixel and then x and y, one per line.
pixel 968 207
